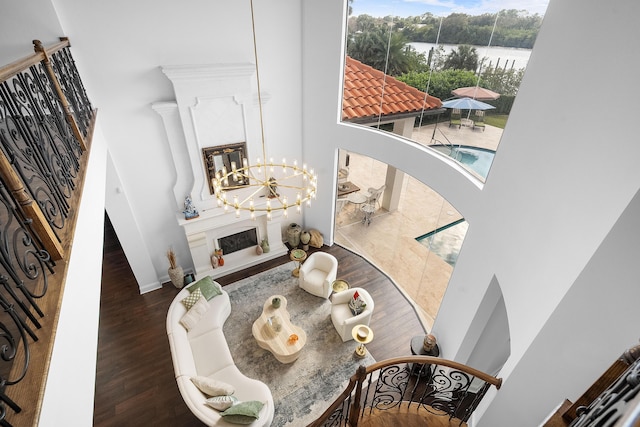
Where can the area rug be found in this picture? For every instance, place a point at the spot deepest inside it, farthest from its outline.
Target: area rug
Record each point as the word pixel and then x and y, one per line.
pixel 304 389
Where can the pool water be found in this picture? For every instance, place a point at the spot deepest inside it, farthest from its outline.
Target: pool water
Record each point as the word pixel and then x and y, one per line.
pixel 446 241
pixel 478 160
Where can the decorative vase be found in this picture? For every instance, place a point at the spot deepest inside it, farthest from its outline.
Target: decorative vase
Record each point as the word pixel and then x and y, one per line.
pixel 177 277
pixel 275 323
pixel 218 254
pixel 265 246
pixel 293 235
pixel 429 343
pixel 259 250
pixel 305 238
pixel 214 261
pixel 276 302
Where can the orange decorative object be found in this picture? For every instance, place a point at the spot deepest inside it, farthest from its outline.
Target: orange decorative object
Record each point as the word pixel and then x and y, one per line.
pixel 293 338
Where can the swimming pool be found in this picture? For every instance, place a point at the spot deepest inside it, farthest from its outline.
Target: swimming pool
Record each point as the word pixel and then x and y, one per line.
pixel 446 241
pixel 477 159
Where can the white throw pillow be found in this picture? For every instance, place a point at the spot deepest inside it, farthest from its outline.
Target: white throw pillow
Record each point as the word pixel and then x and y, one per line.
pixel 197 310
pixel 221 403
pixel 212 387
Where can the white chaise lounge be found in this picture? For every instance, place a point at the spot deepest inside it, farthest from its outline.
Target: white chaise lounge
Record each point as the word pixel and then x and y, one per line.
pixel 203 351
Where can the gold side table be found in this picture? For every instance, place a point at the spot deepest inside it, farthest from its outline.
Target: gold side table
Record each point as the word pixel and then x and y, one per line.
pixel 297 255
pixel 339 285
pixel 363 335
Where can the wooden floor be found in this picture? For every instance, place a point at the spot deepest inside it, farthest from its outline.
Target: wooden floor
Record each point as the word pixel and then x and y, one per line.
pixel 408 417
pixel 135 385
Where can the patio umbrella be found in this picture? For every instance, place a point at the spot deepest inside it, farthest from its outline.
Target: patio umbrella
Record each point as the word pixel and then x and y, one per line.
pixel 467 104
pixel 475 92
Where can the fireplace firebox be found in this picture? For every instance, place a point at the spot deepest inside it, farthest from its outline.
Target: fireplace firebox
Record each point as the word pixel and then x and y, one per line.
pixel 238 241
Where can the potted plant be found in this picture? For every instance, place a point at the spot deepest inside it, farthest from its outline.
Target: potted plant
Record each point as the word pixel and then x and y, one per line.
pixel 176 274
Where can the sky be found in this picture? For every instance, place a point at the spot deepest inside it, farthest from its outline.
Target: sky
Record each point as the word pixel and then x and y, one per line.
pixel 404 8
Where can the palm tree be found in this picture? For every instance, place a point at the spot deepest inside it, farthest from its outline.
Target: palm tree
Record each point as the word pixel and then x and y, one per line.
pixel 381 50
pixel 465 58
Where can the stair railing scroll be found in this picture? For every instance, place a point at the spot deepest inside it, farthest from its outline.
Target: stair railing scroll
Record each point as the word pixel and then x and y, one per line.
pixel 43 136
pixel 24 265
pixel 438 387
pixel 46 122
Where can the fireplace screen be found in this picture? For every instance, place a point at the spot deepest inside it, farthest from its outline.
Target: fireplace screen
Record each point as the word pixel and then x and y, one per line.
pixel 238 241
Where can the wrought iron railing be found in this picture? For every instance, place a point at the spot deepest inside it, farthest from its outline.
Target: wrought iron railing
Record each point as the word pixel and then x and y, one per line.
pixel 618 405
pixel 425 385
pixel 46 123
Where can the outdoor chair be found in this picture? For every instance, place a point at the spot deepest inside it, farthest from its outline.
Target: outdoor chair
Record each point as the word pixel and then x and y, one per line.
pixel 478 120
pixel 374 195
pixel 456 118
pixel 343 175
pixel 372 203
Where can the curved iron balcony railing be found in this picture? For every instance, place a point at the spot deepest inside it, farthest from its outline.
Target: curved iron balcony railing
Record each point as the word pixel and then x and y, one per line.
pixel 423 385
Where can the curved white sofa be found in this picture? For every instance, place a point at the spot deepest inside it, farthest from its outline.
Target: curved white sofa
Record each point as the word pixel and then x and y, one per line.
pixel 203 351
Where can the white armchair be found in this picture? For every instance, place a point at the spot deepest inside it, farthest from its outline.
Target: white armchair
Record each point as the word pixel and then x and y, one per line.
pixel 318 273
pixel 341 316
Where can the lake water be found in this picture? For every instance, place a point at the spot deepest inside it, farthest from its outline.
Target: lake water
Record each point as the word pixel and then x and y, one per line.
pixel 516 58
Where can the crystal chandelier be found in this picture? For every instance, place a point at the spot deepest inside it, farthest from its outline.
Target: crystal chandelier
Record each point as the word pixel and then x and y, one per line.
pixel 265 179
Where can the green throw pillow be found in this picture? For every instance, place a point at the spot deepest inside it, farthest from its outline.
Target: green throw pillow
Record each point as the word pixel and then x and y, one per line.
pixel 207 286
pixel 243 412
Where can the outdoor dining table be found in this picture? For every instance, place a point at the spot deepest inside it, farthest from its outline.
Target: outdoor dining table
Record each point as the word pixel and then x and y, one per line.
pixel 346 188
pixel 356 199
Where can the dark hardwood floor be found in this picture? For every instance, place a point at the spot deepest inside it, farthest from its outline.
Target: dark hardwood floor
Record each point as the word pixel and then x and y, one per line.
pixel 135 385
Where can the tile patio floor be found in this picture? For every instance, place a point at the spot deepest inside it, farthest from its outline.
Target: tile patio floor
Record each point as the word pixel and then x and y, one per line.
pixel 389 241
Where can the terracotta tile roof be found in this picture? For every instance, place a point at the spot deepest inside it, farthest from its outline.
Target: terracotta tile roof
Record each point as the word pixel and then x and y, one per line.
pixel 363 89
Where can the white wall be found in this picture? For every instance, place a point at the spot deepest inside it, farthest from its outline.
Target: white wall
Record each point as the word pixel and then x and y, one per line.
pixel 118 207
pixel 22 23
pixel 591 327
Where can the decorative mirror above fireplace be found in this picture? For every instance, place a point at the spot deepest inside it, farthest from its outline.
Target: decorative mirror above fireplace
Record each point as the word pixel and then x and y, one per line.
pixel 221 158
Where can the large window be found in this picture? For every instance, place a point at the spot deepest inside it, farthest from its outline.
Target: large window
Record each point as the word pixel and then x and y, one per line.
pixel 463 70
pixel 444 79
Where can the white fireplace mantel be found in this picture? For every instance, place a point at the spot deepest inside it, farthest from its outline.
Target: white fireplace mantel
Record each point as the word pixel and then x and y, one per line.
pixel 203 232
